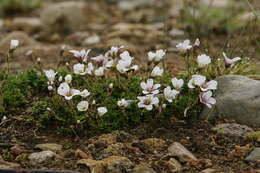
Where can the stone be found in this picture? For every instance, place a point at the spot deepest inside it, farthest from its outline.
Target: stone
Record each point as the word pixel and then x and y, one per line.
pixel 209 170
pixel 154 144
pixel 81 154
pixel 233 129
pixel 239 103
pixel 49 146
pixel 178 150
pixel 142 169
pixel 26 24
pixel 176 33
pixel 41 157
pixel 129 5
pixel 18 149
pixel 254 155
pixel 95 39
pixel 215 3
pixel 113 164
pixel 64 16
pixel 9 165
pixel 77 38
pixel 173 165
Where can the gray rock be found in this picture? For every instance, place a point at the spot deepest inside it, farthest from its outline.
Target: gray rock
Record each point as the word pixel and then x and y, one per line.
pixel 41 157
pixel 233 129
pixel 49 146
pixel 26 24
pixel 64 16
pixel 142 169
pixel 238 97
pixel 254 155
pixel 178 150
pixel 128 5
pixel 215 3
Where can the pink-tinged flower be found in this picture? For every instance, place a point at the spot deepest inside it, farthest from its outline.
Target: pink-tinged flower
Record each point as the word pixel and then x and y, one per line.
pixel 170 94
pixel 81 55
pixel 211 85
pixel 65 90
pixel 90 68
pixel 183 47
pixel 79 69
pixel 156 56
pixel 207 99
pixel 148 102
pixel 196 80
pixel 112 53
pixel 149 87
pixel 229 61
pixel 203 60
pixel 125 56
pixel 50 74
pixel 177 83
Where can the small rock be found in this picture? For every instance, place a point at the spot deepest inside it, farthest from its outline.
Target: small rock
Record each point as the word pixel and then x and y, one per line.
pixel 233 129
pixel 77 38
pixel 142 169
pixel 113 164
pixel 41 157
pixel 176 33
pixel 82 154
pixel 215 3
pixel 49 146
pixel 9 165
pixel 184 155
pixel 154 144
pixel 26 24
pixel 254 155
pixel 209 170
pixel 173 165
pixel 91 40
pixel 129 5
pixel 17 149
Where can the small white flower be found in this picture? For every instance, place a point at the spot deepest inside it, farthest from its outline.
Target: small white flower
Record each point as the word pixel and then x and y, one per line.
pixel 197 42
pixel 207 99
pixel 126 56
pixel 123 66
pixel 100 71
pixel 170 94
pixel 196 80
pixel 60 79
pixel 101 111
pixel 38 60
pixel 14 44
pixel 149 87
pixel 135 67
pixel 83 106
pixel 211 85
pixel 156 56
pixel 79 69
pixel 81 55
pixel 113 51
pixel 4 119
pixel 67 64
pixel 65 90
pixel 111 85
pixel 50 88
pixel 50 74
pixel 48 109
pixel 68 78
pixel 90 68
pixel 229 61
pixel 124 103
pixel 85 93
pixel 148 102
pixel 164 106
pixel 93 102
pixel 203 60
pixel 177 83
pixel 78 121
pixel 157 71
pixel 184 46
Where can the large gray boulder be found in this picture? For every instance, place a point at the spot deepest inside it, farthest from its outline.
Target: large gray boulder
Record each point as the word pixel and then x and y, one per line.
pixel 238 97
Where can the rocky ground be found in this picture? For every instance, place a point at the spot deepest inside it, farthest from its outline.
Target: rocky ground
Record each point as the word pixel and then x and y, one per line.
pixel 176 146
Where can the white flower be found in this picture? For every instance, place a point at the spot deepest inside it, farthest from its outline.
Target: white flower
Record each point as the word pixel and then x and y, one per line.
pixel 113 51
pixel 111 85
pixel 126 56
pixel 123 66
pixel 93 102
pixel 149 87
pixel 135 67
pixel 177 83
pixel 50 88
pixel 211 85
pixel 164 106
pixel 207 99
pixel 197 42
pixel 14 44
pixel 147 102
pixel 170 94
pixel 184 46
pixel 157 71
pixel 79 69
pixel 65 90
pixel 60 79
pixel 203 60
pixel 196 80
pixel 85 93
pixel 124 103
pixel 68 78
pixel 90 68
pixel 229 61
pixel 101 111
pixel 156 56
pixel 81 55
pixel 83 106
pixel 100 71
pixel 50 74
pixel 4 119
